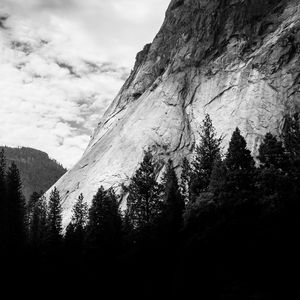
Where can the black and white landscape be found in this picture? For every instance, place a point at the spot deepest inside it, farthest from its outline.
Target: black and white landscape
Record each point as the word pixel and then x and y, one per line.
pixel 183 175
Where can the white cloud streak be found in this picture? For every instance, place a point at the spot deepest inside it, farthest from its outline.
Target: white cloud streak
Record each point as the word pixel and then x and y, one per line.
pixel 62 63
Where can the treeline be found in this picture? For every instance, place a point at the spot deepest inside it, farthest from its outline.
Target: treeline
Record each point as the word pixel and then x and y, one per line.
pixel 229 228
pixel 37 170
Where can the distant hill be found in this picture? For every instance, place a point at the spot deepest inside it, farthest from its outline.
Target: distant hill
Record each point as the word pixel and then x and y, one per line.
pixel 38 171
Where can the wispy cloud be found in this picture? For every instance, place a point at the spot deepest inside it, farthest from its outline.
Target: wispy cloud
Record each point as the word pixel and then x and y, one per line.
pixel 62 63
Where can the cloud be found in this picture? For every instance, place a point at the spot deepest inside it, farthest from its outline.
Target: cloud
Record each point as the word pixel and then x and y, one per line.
pixel 61 65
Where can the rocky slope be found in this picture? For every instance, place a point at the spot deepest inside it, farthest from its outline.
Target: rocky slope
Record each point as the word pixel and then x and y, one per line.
pixel 237 60
pixel 38 172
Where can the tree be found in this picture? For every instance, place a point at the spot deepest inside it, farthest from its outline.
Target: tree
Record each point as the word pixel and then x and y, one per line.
pixel 291 136
pixel 15 210
pixel 233 179
pixel 75 230
pixel 54 220
pixel 104 224
pixel 144 202
pixel 33 199
pixel 2 196
pixel 272 153
pixel 218 178
pixel 173 203
pixel 37 221
pixel 238 157
pixel 207 151
pixel 185 180
pixel 240 167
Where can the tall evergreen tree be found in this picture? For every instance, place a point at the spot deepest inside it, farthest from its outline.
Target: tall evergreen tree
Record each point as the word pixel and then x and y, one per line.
pixel 291 136
pixel 104 224
pixel 207 151
pixel 185 180
pixel 272 153
pixel 15 210
pixel 37 222
pixel 144 201
pixel 233 179
pixel 2 197
pixel 238 157
pixel 33 199
pixel 75 230
pixel 173 204
pixel 240 166
pixel 54 221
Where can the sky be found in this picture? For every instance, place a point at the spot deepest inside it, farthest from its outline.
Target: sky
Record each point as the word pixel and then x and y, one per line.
pixel 62 62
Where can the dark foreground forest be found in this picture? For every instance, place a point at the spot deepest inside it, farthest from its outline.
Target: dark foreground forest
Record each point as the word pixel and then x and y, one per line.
pixel 229 228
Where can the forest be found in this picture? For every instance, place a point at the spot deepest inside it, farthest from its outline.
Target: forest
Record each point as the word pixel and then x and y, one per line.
pixel 227 228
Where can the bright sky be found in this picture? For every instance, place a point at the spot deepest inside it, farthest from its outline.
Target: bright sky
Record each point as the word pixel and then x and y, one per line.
pixel 61 64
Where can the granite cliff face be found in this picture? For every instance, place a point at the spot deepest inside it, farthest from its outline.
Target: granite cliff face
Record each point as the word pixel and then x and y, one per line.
pixel 237 60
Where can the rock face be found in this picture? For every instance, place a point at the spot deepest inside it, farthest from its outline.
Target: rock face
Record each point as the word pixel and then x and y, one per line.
pixel 237 60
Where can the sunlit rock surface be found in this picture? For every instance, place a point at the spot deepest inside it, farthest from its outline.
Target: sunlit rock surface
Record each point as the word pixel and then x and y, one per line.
pixel 236 60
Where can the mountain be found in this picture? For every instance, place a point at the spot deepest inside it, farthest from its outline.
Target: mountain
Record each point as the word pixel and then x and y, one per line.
pixel 237 60
pixel 38 172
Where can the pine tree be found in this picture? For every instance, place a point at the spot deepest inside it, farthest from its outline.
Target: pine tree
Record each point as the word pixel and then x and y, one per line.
pixel 207 151
pixel 185 180
pixel 38 222
pixel 291 136
pixel 173 203
pixel 144 202
pixel 54 221
pixel 2 197
pixel 218 178
pixel 104 224
pixel 272 153
pixel 15 210
pixel 233 179
pixel 238 156
pixel 33 199
pixel 240 168
pixel 75 230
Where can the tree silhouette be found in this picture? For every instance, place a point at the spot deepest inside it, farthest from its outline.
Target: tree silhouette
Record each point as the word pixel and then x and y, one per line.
pixel 144 201
pixel 173 204
pixel 16 226
pixel 104 224
pixel 75 231
pixel 37 222
pixel 207 151
pixel 272 153
pixel 185 180
pixel 2 200
pixel 54 220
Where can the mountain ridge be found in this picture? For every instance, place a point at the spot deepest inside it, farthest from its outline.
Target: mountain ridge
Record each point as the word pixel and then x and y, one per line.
pixel 37 170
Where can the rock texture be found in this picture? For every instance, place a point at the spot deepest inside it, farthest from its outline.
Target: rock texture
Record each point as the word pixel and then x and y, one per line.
pixel 237 60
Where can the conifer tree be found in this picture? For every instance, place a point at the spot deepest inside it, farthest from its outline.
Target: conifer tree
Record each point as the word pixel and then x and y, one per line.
pixel 185 180
pixel 15 210
pixel 2 196
pixel 54 220
pixel 75 230
pixel 38 222
pixel 207 151
pixel 144 202
pixel 233 179
pixel 238 157
pixel 291 136
pixel 272 153
pixel 173 203
pixel 104 224
pixel 218 178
